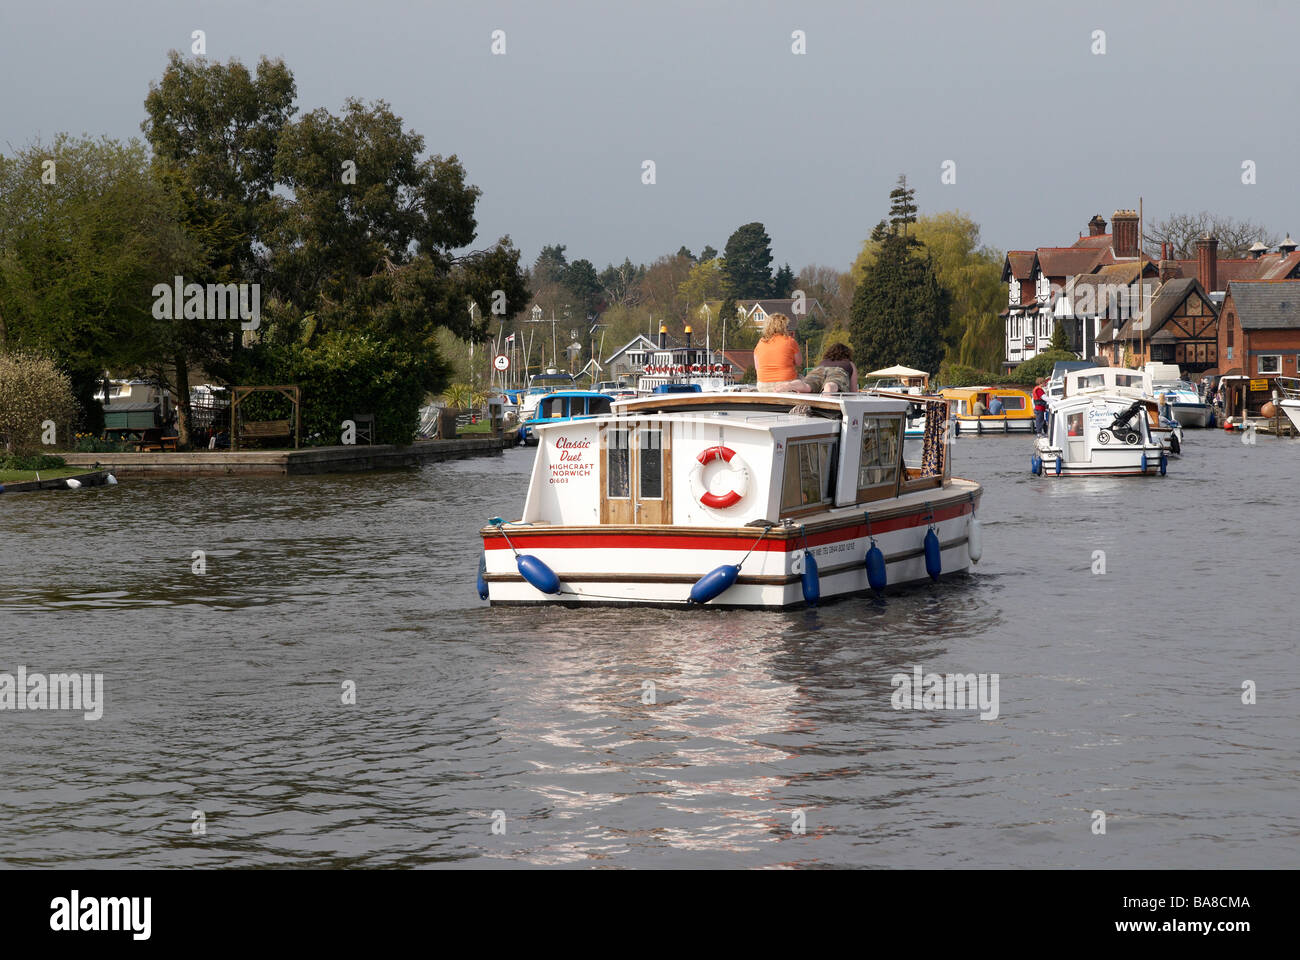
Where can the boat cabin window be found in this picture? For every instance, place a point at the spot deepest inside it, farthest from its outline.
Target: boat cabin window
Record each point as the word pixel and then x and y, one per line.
pixel 1096 380
pixel 1074 425
pixel 1128 380
pixel 598 404
pixel 878 466
pixel 809 466
pixel 1011 402
pixel 618 465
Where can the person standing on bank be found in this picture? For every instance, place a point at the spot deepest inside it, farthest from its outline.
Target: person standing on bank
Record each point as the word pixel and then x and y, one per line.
pixel 777 358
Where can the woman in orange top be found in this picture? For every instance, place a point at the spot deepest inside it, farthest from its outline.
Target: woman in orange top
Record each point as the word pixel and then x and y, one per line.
pixel 777 359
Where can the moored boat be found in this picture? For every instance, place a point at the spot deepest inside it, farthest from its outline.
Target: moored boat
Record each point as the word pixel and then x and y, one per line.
pixel 971 405
pixel 1102 428
pixel 563 406
pixel 736 500
pixel 1288 400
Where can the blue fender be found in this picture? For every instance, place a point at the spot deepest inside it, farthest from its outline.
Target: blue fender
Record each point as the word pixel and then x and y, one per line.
pixel 933 564
pixel 482 579
pixel 1144 461
pixel 1164 463
pixel 876 575
pixel 537 573
pixel 1059 458
pixel 1035 464
pixel 812 587
pixel 714 582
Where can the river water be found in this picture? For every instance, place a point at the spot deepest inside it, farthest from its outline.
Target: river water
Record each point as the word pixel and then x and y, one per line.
pixel 771 740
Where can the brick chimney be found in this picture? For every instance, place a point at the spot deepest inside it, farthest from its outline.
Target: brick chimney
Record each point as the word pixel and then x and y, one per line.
pixel 1168 266
pixel 1096 226
pixel 1124 225
pixel 1207 263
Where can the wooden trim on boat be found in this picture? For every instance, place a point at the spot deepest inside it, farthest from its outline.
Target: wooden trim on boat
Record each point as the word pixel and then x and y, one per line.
pixel 653 404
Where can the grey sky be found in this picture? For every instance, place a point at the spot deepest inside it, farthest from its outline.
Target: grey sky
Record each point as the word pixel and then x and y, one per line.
pixel 1043 132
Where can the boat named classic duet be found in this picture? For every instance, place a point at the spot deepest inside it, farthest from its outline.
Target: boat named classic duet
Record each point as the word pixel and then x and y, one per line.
pixel 734 499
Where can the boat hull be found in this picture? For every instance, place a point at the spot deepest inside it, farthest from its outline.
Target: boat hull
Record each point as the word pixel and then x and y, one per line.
pixel 1191 414
pixel 1292 410
pixel 1122 461
pixel 657 566
pixel 993 426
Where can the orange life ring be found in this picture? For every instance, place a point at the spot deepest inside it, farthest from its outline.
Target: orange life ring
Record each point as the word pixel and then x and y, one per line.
pixel 738 467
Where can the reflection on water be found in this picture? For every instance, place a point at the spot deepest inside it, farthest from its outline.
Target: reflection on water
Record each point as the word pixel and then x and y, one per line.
pixel 224 690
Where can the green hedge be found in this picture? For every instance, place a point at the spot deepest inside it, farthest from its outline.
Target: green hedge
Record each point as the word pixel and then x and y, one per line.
pixel 34 462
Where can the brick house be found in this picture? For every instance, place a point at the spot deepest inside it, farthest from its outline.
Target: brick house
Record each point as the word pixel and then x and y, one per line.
pixel 1260 332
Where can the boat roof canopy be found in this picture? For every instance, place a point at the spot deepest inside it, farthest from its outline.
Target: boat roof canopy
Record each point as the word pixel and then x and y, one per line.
pixel 825 406
pixel 898 371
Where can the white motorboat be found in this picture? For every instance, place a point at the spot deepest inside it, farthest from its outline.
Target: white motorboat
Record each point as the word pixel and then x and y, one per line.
pixel 1098 429
pixel 733 499
pixel 1288 399
pixel 1182 401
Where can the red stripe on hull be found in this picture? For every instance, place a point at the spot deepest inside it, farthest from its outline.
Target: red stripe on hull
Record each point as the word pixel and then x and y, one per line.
pixel 853 529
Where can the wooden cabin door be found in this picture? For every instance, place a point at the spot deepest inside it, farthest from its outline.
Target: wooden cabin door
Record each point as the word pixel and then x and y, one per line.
pixel 636 473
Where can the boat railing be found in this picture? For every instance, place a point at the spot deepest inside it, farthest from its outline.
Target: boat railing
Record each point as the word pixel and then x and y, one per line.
pixel 1288 387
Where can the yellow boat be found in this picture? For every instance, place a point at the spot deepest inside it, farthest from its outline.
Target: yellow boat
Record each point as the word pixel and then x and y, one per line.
pixel 969 408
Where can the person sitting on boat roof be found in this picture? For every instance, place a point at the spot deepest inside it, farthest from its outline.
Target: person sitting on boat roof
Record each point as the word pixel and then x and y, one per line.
pixel 836 373
pixel 777 358
pixel 995 405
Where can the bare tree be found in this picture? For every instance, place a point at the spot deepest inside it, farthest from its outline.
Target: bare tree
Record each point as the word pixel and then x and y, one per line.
pixel 1184 229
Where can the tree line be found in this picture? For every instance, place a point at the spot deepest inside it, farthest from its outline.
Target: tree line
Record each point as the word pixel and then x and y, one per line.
pixel 348 231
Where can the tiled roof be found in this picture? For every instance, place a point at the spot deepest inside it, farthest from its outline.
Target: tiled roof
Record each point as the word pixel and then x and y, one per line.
pixel 1068 261
pixel 742 360
pixel 779 306
pixel 1271 266
pixel 1019 265
pixel 1102 240
pixel 1277 266
pixel 1267 304
pixel 1160 308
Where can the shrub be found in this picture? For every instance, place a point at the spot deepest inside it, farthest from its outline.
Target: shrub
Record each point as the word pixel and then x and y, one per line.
pixel 33 462
pixel 958 375
pixel 343 374
pixel 1039 366
pixel 32 391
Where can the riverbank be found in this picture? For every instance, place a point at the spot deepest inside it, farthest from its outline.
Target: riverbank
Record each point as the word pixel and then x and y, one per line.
pixel 50 479
pixel 314 460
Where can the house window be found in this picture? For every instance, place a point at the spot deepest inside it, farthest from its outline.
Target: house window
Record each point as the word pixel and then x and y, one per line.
pixel 1270 364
